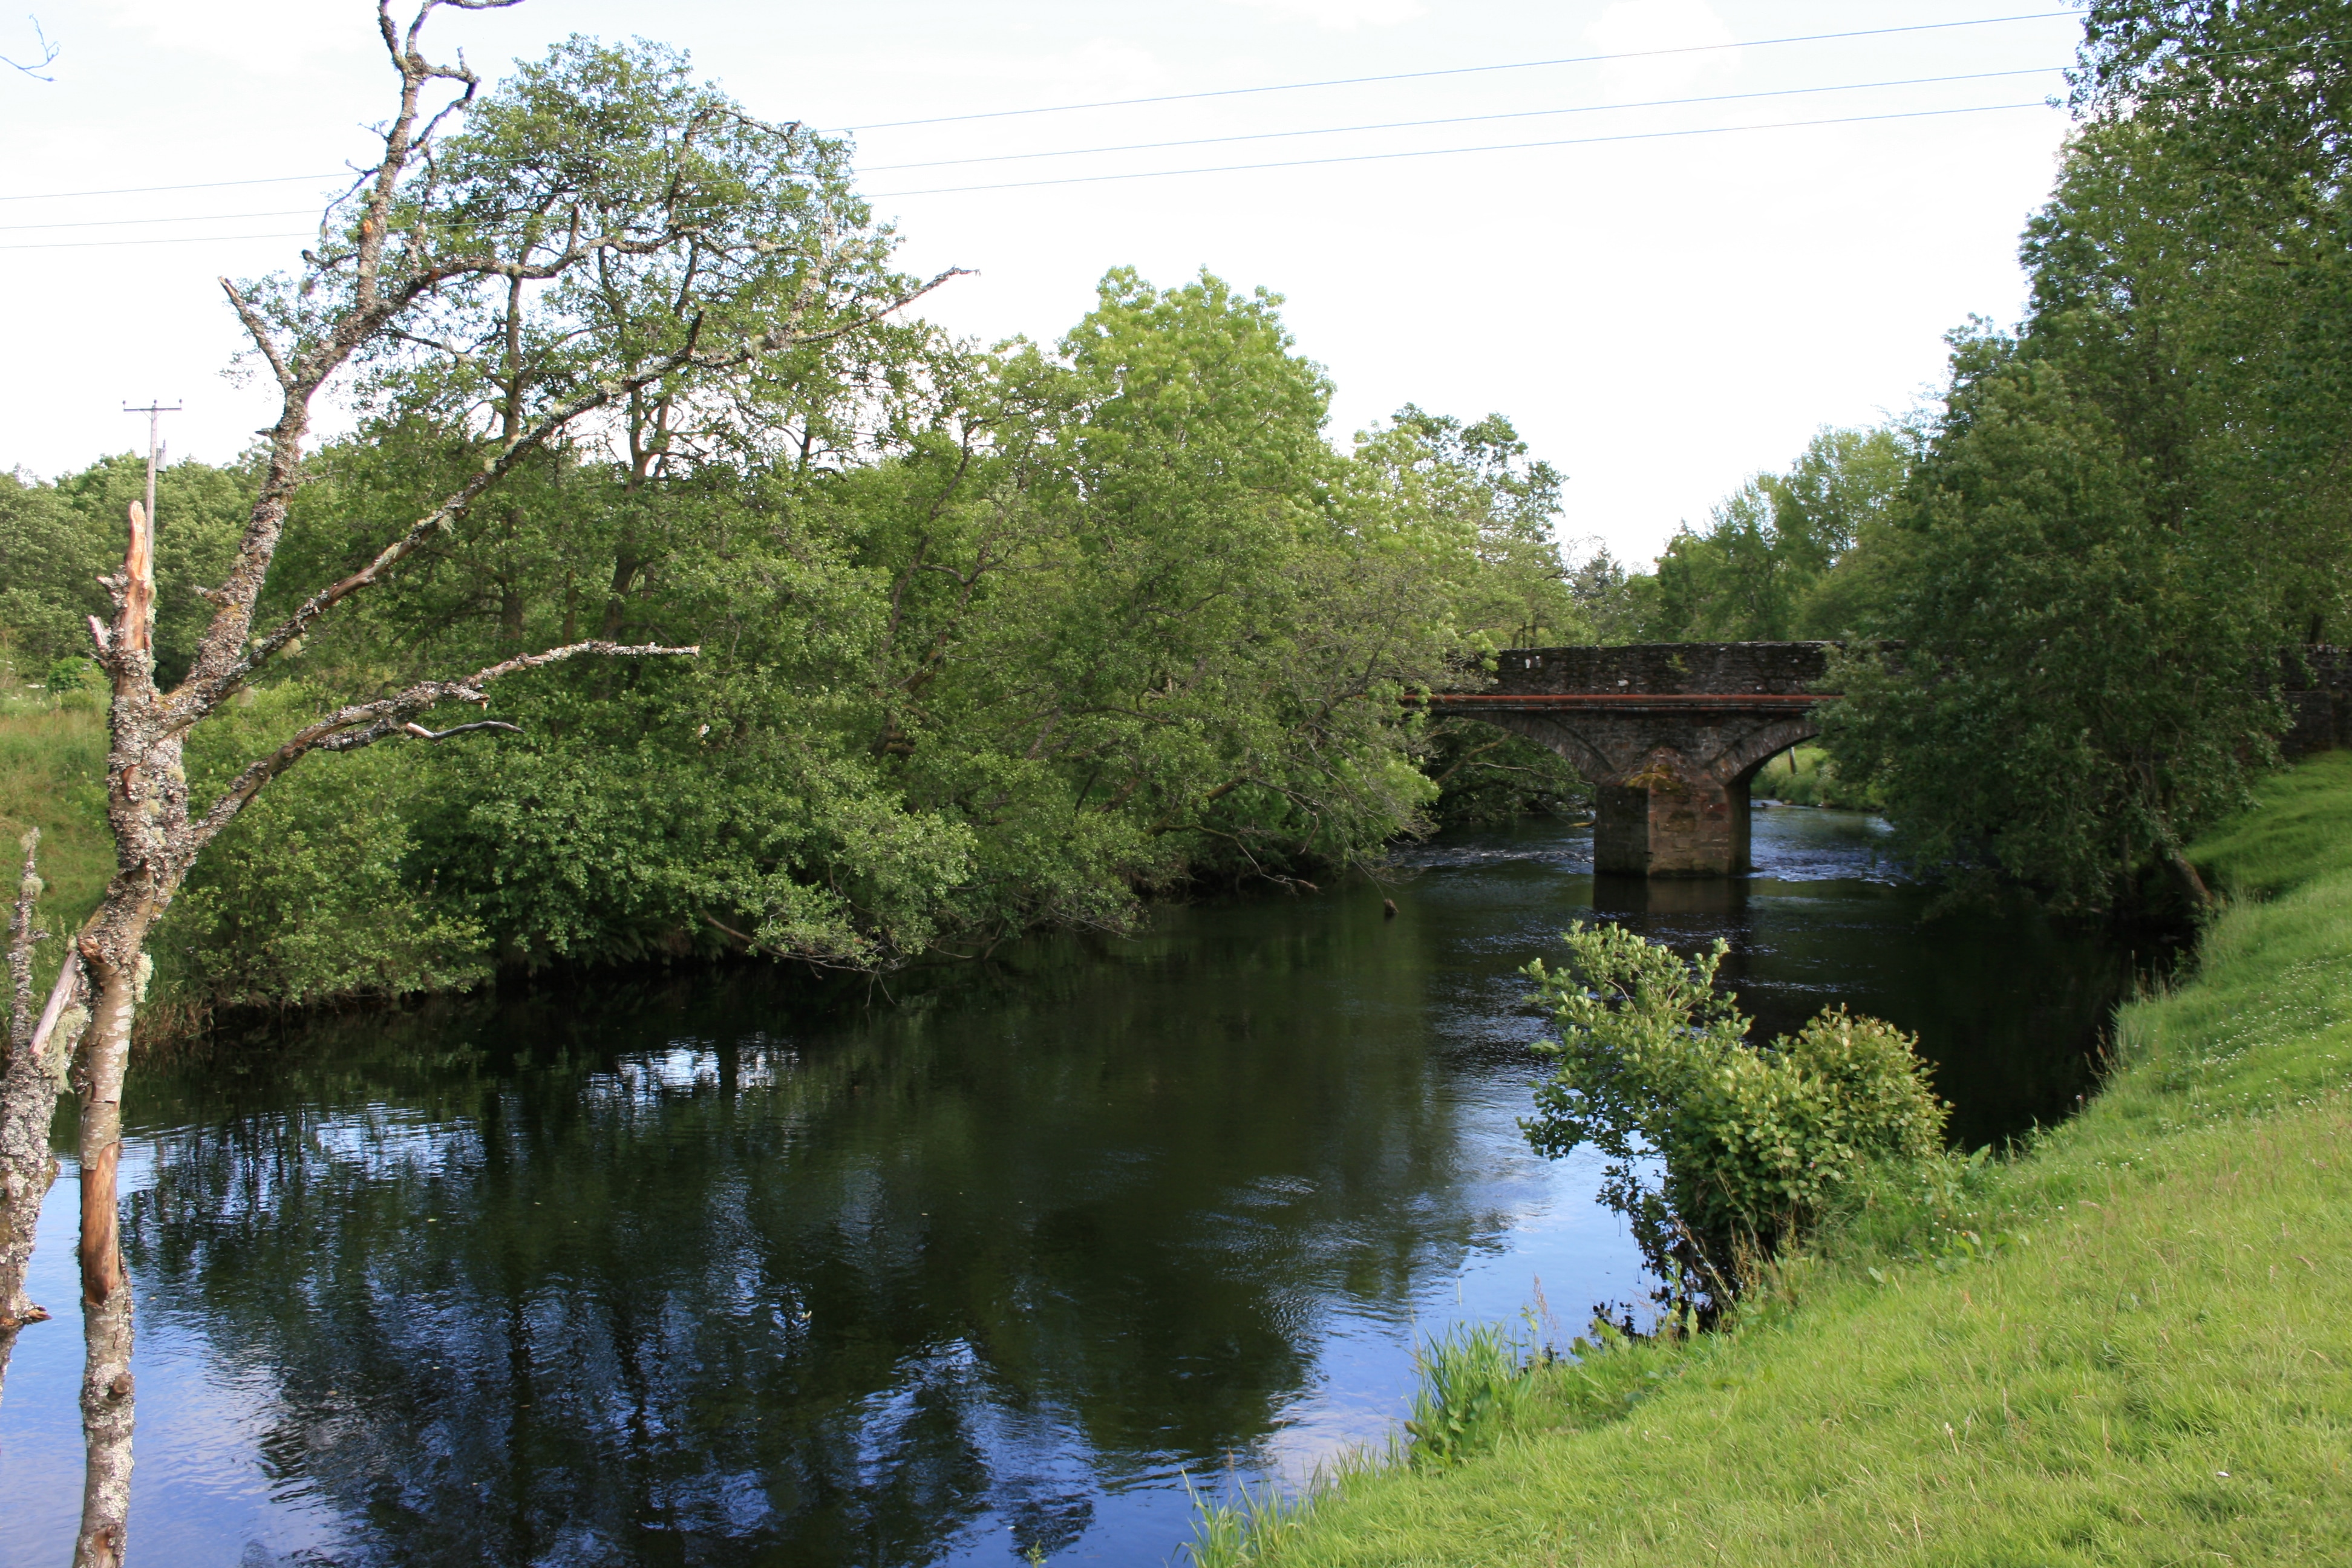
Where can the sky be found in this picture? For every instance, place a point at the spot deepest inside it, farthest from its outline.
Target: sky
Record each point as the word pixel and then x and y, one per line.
pixel 1678 299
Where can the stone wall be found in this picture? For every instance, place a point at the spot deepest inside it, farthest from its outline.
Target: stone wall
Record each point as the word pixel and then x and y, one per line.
pixel 1784 669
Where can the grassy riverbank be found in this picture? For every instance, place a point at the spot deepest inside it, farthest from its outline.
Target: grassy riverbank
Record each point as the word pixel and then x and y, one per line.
pixel 53 777
pixel 2126 1345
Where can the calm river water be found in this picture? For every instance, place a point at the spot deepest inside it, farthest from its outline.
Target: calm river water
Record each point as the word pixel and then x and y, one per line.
pixel 696 1273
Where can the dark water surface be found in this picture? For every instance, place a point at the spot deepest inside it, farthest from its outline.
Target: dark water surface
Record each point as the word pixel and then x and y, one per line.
pixel 695 1273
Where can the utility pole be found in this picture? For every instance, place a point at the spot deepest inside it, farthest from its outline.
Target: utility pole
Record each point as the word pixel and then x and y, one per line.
pixel 154 412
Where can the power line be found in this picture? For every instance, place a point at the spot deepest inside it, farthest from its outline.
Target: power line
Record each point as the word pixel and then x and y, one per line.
pixel 1222 168
pixel 1197 142
pixel 1459 120
pixel 1447 152
pixel 1463 70
pixel 126 222
pixel 1170 98
pixel 175 239
pixel 150 190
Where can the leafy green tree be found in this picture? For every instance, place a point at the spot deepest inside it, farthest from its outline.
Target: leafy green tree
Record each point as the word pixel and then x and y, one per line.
pixel 1603 593
pixel 2127 516
pixel 50 567
pixel 1469 493
pixel 1785 555
pixel 441 233
pixel 1170 638
pixel 57 540
pixel 2078 683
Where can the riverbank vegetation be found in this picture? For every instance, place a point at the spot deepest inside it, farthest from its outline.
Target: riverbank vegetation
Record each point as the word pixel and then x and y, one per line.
pixel 1722 1149
pixel 2116 1344
pixel 1805 775
pixel 1120 631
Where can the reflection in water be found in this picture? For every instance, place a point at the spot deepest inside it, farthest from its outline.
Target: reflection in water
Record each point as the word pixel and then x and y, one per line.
pixel 696 1272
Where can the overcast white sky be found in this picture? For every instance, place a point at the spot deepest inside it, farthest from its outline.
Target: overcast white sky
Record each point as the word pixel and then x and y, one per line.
pixel 1661 317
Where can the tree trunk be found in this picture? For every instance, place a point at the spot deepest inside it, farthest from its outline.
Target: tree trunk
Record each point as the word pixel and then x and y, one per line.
pixel 108 1395
pixel 2193 885
pixel 36 1052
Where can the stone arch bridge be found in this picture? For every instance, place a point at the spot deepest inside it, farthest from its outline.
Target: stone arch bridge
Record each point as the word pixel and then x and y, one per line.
pixel 1669 734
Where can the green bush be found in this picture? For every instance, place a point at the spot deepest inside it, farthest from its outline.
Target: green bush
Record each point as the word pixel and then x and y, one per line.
pixel 72 673
pixel 1756 1142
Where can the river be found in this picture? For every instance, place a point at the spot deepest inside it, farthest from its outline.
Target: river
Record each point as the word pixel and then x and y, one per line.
pixel 994 1264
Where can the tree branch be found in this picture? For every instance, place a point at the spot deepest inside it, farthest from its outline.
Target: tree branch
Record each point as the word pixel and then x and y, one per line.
pixel 364 723
pixel 48 55
pixel 422 733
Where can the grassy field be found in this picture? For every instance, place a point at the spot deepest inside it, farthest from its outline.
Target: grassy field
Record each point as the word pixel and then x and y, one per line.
pixel 53 777
pixel 2126 1345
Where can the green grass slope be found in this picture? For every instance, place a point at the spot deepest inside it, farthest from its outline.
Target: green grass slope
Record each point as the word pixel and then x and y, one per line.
pixel 2128 1345
pixel 53 777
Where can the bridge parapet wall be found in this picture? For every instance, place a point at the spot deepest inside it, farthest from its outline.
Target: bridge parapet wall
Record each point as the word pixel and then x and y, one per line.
pixel 1673 668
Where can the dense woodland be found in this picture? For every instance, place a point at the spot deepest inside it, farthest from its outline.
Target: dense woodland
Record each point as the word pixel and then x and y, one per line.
pixel 996 637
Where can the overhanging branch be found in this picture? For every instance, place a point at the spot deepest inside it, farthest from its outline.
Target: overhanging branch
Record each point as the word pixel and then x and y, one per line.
pixel 364 723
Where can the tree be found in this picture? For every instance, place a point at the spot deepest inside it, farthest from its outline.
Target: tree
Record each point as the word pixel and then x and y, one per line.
pixel 2127 517
pixel 1144 623
pixel 447 227
pixel 2078 682
pixel 1781 556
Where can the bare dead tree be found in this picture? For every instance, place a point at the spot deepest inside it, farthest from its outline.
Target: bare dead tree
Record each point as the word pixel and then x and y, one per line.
pixel 30 1077
pixel 379 260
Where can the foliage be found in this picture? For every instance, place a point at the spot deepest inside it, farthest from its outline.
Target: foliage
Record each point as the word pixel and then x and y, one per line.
pixel 1806 776
pixel 2079 680
pixel 1474 1387
pixel 308 895
pixel 1757 1142
pixel 2127 514
pixel 1605 595
pixel 1486 775
pixel 1467 490
pixel 52 777
pixel 57 540
pixel 1046 632
pixel 991 640
pixel 1786 555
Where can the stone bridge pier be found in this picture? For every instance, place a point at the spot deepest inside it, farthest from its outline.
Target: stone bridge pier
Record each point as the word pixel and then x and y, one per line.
pixel 1669 734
